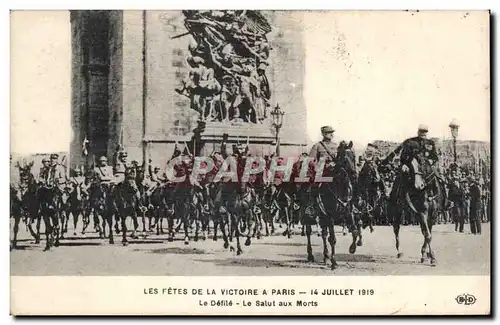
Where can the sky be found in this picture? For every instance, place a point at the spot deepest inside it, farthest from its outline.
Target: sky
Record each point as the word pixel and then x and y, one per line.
pixel 370 75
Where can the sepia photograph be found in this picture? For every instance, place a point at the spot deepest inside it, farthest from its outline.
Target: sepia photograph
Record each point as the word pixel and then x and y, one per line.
pixel 236 143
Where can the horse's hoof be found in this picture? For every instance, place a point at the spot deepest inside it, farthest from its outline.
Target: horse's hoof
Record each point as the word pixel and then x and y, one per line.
pixel 239 251
pixel 371 230
pixel 215 238
pixel 400 255
pixel 111 241
pixel 352 248
pixel 310 258
pixel 46 249
pixel 360 243
pixel 285 233
pixel 259 236
pixel 186 242
pixel 226 245
pixel 302 234
pixel 344 233
pixel 37 241
pixel 422 260
pixel 170 239
pixel 248 242
pixel 56 244
pixel 334 266
pixel 231 249
pixel 74 233
pixel 125 243
pixel 433 262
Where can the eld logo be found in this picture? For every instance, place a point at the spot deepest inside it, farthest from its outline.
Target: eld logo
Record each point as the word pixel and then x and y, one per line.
pixel 465 299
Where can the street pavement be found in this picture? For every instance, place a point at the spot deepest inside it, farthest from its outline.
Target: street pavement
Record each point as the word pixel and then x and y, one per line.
pixel 456 253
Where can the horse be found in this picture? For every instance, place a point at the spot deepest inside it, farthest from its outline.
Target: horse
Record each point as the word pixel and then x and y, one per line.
pixel 24 203
pixel 333 201
pixel 420 191
pixel 49 197
pixel 102 205
pixel 370 189
pixel 127 203
pixel 79 204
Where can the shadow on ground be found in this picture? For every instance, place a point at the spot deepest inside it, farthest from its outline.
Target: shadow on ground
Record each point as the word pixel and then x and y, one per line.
pixel 174 250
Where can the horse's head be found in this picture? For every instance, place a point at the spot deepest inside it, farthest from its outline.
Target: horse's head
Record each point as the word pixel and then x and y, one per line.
pixel 369 172
pixel 346 157
pixel 130 173
pixel 25 172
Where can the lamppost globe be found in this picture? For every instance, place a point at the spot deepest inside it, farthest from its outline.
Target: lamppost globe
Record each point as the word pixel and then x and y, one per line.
pixel 454 128
pixel 277 115
pixel 454 133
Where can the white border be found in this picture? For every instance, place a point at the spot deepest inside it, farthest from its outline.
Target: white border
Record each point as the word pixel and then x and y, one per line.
pixel 494 5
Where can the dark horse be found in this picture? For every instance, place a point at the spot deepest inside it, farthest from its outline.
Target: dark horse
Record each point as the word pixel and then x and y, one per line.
pixel 24 203
pixel 102 205
pixel 421 191
pixel 50 198
pixel 127 203
pixel 370 189
pixel 334 203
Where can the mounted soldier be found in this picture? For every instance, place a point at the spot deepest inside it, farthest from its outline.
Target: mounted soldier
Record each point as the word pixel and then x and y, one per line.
pixel 418 147
pixel 326 148
pixel 417 188
pixel 119 174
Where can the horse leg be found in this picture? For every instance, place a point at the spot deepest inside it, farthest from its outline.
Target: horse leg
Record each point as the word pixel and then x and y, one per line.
pixel 38 223
pixel 224 227
pixel 431 252
pixel 266 224
pixel 396 227
pixel 124 229
pixel 310 256
pixel 423 249
pixel 48 231
pixel 135 222
pixel 237 234
pixel 186 228
pixel 324 235
pixel 288 216
pixel 57 228
pixel 332 239
pixel 360 235
pixel 216 223
pixel 250 225
pixel 17 219
pixel 109 219
pixel 76 215
pixel 170 222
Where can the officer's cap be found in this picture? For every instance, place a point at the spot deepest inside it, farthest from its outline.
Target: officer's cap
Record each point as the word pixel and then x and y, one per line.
pixel 103 159
pixel 327 129
pixel 44 160
pixel 423 128
pixel 54 156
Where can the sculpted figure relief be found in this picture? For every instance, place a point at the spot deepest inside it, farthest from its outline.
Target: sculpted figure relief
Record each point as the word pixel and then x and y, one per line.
pixel 228 62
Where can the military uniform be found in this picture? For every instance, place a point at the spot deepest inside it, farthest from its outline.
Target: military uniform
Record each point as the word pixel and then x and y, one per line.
pixel 104 173
pixel 415 147
pixel 320 151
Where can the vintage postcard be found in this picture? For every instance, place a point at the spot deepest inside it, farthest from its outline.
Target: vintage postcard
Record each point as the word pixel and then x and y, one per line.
pixel 250 162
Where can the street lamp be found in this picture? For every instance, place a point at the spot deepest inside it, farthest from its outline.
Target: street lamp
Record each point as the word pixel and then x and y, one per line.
pixel 454 133
pixel 277 115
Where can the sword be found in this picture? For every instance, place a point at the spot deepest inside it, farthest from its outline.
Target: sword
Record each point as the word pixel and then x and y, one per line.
pixel 180 35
